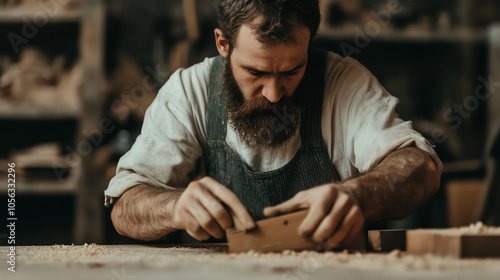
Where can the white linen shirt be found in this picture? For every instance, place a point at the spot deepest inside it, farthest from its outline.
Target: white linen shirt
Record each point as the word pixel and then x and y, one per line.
pixel 359 127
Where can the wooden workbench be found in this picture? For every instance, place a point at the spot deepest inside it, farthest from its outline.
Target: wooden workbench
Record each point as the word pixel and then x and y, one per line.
pixel 119 262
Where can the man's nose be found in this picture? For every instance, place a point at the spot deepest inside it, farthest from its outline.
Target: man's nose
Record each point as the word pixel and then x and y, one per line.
pixel 272 90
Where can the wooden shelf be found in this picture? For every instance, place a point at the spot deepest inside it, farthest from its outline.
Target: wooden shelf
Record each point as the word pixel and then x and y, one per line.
pixel 30 113
pixel 39 186
pixel 402 36
pixel 88 189
pixel 18 15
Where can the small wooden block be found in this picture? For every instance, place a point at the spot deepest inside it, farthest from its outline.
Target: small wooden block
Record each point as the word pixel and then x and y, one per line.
pixel 451 243
pixel 271 235
pixel 277 234
pixel 387 240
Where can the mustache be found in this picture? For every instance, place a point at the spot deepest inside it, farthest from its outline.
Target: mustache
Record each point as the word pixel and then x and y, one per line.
pixel 262 105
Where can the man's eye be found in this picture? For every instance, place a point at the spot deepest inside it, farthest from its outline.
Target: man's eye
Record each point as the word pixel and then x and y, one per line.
pixel 256 74
pixel 292 73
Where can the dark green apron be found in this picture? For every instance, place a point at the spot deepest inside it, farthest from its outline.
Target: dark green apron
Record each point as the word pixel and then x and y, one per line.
pixel 310 166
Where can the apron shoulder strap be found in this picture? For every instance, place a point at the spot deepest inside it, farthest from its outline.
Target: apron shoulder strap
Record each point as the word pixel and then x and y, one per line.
pixel 216 111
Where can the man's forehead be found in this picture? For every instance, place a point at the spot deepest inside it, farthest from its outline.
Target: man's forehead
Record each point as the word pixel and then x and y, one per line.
pixel 247 35
pixel 248 47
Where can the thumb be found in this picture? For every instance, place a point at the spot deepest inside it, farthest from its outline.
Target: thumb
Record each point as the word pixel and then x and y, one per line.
pixel 283 208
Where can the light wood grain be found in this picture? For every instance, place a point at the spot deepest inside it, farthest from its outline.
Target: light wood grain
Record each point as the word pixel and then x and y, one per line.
pixel 452 243
pixel 280 233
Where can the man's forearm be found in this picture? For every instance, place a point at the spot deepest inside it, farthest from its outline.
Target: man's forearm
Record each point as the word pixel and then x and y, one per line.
pixel 145 212
pixel 397 186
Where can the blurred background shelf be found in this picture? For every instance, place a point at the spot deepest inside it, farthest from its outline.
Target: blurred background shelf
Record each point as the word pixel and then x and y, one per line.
pixel 28 185
pixel 60 15
pixel 33 113
pixel 63 107
pixel 405 36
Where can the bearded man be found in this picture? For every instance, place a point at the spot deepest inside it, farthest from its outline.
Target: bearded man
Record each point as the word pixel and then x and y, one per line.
pixel 273 125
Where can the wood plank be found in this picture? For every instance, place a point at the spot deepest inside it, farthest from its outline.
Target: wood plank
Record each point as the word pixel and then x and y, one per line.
pixel 387 240
pixel 452 243
pixel 279 233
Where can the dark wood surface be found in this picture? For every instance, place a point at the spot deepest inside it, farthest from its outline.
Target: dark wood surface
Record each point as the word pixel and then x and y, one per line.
pixel 387 240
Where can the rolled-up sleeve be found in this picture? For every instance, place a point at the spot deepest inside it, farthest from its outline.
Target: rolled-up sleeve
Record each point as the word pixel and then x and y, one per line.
pixel 168 152
pixel 367 127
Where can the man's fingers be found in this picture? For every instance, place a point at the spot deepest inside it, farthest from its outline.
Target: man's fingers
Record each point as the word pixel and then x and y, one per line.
pixel 294 203
pixel 206 221
pixel 318 210
pixel 316 214
pixel 339 235
pixel 198 235
pixel 358 225
pixel 354 232
pixel 237 223
pixel 231 200
pixel 285 207
pixel 350 221
pixel 194 229
pixel 216 209
pixel 330 223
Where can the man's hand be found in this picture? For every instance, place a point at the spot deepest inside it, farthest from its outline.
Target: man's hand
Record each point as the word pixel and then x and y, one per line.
pixel 200 210
pixel 333 216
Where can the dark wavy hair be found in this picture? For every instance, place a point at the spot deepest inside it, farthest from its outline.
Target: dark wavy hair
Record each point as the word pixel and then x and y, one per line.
pixel 277 18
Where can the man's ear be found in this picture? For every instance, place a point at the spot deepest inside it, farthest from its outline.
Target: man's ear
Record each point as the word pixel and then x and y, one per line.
pixel 221 43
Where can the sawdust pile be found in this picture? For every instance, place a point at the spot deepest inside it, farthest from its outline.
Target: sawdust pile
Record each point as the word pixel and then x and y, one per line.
pixel 395 260
pixel 59 253
pixel 478 228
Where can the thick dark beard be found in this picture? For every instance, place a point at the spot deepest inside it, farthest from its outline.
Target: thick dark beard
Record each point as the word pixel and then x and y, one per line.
pixel 258 122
